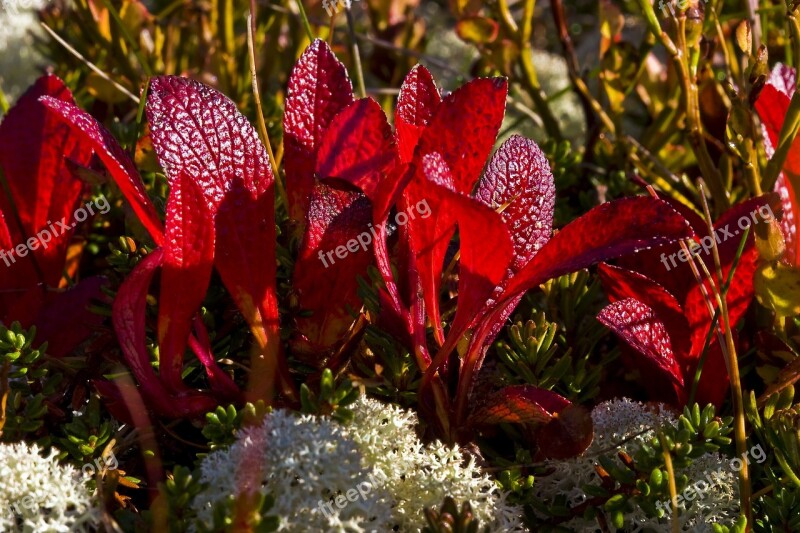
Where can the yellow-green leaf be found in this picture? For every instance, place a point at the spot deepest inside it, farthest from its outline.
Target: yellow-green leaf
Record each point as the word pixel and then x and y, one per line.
pixel 777 287
pixel 744 37
pixel 477 30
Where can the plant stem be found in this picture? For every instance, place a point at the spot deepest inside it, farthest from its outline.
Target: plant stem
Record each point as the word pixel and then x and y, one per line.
pixel 712 328
pixel 304 18
pixel 359 74
pixel 530 79
pixel 673 488
pixel 691 103
pixel 3 393
pixel 740 432
pixel 262 126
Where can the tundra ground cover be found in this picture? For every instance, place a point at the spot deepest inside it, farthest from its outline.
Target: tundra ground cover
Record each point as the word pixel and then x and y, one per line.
pixel 300 269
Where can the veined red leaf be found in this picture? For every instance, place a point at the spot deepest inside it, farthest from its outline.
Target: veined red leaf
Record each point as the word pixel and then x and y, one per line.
pixel 318 90
pixel 621 284
pixel 337 248
pixel 199 135
pixel 418 100
pixel 640 327
pixel 119 165
pixel 357 148
pixel 463 129
pixel 607 231
pixel 518 404
pixel 518 182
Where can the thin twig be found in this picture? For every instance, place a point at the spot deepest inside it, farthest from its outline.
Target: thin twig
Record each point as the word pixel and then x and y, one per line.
pixel 262 126
pixel 89 64
pixel 304 18
pixel 673 489
pixel 529 77
pixel 740 432
pixel 359 71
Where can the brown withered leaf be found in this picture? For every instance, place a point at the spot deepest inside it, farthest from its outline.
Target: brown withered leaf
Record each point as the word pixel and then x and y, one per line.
pixel 567 435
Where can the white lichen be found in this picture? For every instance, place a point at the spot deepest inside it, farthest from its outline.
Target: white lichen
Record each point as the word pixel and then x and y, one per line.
pixel 371 475
pixel 624 425
pixel 37 494
pixel 303 462
pixel 421 476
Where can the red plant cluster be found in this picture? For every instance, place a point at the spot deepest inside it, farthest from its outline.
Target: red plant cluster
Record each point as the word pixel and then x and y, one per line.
pixel 503 217
pixel 347 170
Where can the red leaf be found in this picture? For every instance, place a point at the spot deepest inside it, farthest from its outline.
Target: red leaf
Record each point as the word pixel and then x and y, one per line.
pixel 663 264
pixel 34 145
pixel 568 435
pixel 518 404
pixel 464 128
pixel 772 106
pixel 481 268
pixel 199 135
pixel 518 181
pixel 640 327
pixel 36 219
pixel 621 284
pixel 336 250
pixel 418 100
pixel 357 147
pixel 128 316
pixel 188 259
pixel 114 158
pixel 318 90
pixel 610 230
pixel 66 320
